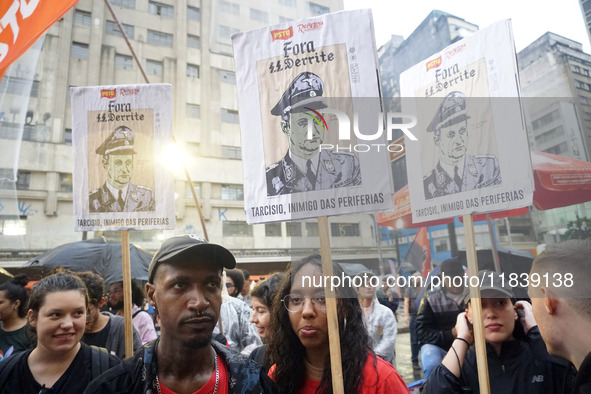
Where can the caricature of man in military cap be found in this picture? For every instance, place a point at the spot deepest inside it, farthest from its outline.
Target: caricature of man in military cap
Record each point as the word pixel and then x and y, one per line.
pixel 118 194
pixel 457 171
pixel 305 167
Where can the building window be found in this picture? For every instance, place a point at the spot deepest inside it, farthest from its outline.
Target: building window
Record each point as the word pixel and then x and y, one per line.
pixel 558 149
pixel 293 229
pixel 79 50
pixel 236 228
pixel 13 225
pixel 273 229
pixel 82 18
pixel 312 229
pixel 68 136
pixel 584 100
pixel 7 181
pixel 549 135
pixel 227 32
pixel 227 76
pixel 19 87
pixel 65 183
pixel 546 119
pixel 344 229
pixel 317 9
pixel 232 192
pixel 112 29
pixel 193 41
pixel 124 3
pixel 289 3
pixel 586 72
pixel 229 8
pixel 230 116
pixel 154 67
pixel 441 245
pixel 192 70
pixel 231 152
pixel 576 69
pixel 165 10
pixel 193 13
pixel 258 15
pixel 196 187
pixel 159 38
pixel 580 84
pixel 123 62
pixel 193 111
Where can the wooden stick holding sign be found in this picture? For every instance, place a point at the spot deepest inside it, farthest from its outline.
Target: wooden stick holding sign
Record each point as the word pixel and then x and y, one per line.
pixel 331 308
pixel 481 360
pixel 126 269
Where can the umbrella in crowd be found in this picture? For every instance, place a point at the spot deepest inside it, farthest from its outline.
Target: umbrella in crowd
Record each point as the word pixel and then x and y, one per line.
pixel 96 255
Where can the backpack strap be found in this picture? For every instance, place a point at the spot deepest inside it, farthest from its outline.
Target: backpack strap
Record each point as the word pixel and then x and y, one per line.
pixel 99 361
pixel 9 365
pixel 136 313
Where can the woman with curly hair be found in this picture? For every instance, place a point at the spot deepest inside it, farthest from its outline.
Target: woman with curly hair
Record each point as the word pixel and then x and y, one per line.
pixel 299 344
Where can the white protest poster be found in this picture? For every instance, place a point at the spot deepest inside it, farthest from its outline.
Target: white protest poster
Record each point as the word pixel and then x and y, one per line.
pixel 119 134
pixel 302 87
pixel 471 153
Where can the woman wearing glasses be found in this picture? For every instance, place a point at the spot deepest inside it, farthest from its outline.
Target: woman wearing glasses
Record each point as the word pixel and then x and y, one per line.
pixel 59 363
pixel 299 338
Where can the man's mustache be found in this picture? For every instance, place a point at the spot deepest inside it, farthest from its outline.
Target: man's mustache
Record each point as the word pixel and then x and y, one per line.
pixel 198 316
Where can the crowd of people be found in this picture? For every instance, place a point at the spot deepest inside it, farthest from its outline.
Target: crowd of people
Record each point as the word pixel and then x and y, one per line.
pixel 222 333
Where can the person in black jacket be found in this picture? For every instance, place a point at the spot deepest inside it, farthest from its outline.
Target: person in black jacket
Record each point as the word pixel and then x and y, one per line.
pixel 185 286
pixel 563 305
pixel 436 318
pixel 516 355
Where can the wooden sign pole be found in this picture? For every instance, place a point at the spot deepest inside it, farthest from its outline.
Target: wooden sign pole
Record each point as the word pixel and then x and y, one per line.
pixel 126 293
pixel 331 309
pixel 476 307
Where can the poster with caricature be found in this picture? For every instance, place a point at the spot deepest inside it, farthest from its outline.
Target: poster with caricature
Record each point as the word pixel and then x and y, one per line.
pixel 118 134
pixel 300 86
pixel 471 136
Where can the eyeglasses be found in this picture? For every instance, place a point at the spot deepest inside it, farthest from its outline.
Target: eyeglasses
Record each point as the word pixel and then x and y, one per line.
pixel 294 302
pixel 229 285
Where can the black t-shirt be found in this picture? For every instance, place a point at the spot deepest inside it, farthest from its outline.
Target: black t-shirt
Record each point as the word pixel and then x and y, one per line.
pixel 19 339
pixel 98 338
pixel 74 380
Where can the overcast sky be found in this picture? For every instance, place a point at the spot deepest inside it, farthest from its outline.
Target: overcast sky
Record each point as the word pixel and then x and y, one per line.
pixel 531 18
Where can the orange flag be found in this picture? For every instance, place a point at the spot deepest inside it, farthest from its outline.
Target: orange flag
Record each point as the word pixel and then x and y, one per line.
pixel 22 22
pixel 419 254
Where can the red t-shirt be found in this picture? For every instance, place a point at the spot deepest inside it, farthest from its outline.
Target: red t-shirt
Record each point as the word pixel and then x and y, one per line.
pixel 383 379
pixel 210 385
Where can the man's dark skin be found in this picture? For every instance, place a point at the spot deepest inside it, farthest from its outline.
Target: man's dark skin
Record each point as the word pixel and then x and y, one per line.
pixel 180 292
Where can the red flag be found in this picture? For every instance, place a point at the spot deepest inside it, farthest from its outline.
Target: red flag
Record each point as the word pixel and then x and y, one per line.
pixel 419 254
pixel 23 22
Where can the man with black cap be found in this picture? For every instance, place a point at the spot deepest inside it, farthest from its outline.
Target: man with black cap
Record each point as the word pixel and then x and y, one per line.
pixel 436 318
pixel 118 194
pixel 457 171
pixel 185 287
pixel 305 167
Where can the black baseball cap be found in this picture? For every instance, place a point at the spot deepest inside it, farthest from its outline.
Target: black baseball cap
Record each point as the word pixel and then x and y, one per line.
pixel 491 281
pixel 190 244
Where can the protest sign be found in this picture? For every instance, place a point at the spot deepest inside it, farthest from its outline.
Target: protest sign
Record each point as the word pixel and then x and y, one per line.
pixel 119 134
pixel 302 86
pixel 472 154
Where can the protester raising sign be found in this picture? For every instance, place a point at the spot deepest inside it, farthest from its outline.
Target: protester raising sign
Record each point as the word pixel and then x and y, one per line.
pixel 118 135
pixel 472 153
pixel 302 86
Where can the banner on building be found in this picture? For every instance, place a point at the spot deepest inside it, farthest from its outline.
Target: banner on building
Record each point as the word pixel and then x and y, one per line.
pixel 23 22
pixel 303 87
pixel 471 154
pixel 119 135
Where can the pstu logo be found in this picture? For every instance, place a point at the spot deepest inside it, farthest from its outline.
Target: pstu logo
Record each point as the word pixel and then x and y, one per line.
pixel 434 63
pixel 282 34
pixel 108 93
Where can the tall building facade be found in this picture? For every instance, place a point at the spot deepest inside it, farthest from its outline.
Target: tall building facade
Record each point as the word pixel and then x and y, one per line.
pixel 186 43
pixel 586 10
pixel 555 78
